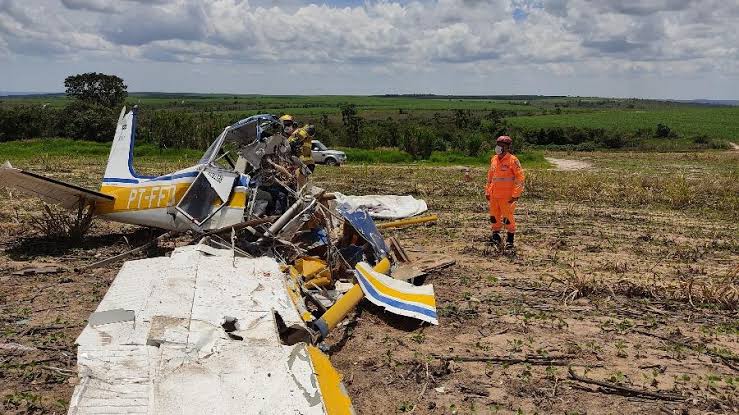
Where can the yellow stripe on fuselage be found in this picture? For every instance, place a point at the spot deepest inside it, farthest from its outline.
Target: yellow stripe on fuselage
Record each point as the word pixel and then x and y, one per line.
pixel 160 195
pixel 428 300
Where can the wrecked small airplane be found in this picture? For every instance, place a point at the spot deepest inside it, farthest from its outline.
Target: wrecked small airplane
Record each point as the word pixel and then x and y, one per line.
pixel 211 194
pixel 235 324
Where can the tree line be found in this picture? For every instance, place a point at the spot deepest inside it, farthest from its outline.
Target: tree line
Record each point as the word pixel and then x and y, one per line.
pixel 96 100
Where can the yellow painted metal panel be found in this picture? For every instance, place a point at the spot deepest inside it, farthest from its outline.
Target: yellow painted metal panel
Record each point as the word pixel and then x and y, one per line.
pixel 407 222
pixel 335 398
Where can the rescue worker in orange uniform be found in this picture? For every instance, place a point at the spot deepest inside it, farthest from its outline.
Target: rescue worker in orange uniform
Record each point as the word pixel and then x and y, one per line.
pixel 504 187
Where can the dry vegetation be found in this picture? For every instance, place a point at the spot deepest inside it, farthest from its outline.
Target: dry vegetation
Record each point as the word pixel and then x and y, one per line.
pixel 627 273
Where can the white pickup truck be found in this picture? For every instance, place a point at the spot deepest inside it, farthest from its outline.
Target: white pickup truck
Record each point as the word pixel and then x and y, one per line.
pixel 323 155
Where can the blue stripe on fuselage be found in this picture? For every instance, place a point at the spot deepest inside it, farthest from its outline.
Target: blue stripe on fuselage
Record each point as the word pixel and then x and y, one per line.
pixel 153 179
pixel 392 302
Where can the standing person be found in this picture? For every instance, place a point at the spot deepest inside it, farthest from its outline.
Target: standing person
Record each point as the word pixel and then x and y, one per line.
pixel 504 187
pixel 288 125
pixel 301 145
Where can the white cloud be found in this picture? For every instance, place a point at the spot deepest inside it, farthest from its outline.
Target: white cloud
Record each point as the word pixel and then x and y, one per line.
pixel 101 6
pixel 464 37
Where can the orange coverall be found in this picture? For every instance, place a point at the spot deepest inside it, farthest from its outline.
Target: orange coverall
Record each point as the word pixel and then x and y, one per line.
pixel 505 181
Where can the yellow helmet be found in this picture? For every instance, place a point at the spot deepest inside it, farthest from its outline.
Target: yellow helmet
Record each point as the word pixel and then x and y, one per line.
pixel 287 117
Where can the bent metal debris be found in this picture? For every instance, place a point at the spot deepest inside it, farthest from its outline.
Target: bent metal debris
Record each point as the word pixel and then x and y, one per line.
pixel 234 322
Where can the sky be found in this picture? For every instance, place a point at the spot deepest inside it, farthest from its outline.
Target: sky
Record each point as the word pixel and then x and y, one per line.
pixel 679 49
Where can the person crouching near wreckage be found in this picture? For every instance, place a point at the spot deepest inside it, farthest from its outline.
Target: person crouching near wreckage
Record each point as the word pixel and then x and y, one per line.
pixel 504 187
pixel 300 143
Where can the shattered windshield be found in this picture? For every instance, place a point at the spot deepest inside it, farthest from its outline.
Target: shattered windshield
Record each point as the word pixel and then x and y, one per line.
pixel 242 133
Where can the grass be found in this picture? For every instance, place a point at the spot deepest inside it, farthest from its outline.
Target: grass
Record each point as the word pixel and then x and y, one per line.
pixel 675 191
pixel 529 159
pixel 292 104
pixel 62 147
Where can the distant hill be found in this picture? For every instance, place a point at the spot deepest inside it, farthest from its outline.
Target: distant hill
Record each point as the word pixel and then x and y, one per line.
pixel 731 102
pixel 29 94
pixel 191 95
pixel 489 97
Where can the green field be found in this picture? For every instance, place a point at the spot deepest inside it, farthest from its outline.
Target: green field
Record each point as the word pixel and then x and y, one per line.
pixel 722 122
pixel 295 104
pixel 62 147
pixel 458 128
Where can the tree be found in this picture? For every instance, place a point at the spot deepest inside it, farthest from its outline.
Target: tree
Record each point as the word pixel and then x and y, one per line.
pixel 418 141
pixel 97 88
pixel 89 121
pixel 663 131
pixel 352 123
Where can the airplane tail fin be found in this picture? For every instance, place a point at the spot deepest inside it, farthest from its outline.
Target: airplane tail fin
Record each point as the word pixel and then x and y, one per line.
pixel 120 162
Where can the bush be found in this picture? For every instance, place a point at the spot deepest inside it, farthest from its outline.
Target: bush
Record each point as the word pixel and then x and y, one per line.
pixel 586 146
pixel 87 121
pixel 418 141
pixel 383 155
pixel 662 131
pixel 472 146
pixel 701 139
pixel 23 122
pixel 615 140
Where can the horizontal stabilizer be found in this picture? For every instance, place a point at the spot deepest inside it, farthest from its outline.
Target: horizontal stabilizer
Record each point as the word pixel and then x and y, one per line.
pixel 398 297
pixel 49 190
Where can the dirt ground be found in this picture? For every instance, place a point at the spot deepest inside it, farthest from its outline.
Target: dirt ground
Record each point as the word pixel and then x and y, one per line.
pixel 641 298
pixel 569 165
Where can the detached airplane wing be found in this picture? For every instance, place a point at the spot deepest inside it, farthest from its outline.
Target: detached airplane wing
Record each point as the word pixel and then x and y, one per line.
pixel 48 189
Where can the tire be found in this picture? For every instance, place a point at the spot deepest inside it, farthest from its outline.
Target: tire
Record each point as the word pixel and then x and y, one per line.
pixel 330 161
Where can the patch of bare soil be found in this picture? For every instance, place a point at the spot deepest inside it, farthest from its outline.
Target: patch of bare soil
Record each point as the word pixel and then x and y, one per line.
pixel 637 302
pixel 569 165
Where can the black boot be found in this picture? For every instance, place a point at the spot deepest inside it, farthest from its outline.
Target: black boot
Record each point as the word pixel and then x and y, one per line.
pixel 509 240
pixel 495 239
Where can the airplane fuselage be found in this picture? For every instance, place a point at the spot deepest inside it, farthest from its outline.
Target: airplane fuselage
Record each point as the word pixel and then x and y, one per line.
pixel 153 201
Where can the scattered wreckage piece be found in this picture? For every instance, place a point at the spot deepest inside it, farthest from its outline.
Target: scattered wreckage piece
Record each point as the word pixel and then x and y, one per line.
pixel 398 251
pixel 205 334
pixel 408 222
pixel 39 269
pixel 212 330
pixel 385 206
pixel 230 323
pixel 408 269
pixel 128 253
pixel 411 270
pixel 396 296
pixel 49 190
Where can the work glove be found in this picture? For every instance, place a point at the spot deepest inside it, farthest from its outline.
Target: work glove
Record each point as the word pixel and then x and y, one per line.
pixel 512 200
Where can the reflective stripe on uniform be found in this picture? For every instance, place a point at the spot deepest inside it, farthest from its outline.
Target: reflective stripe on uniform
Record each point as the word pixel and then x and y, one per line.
pixel 503 179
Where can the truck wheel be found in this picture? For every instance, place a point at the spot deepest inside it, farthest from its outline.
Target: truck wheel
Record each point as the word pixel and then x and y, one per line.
pixel 330 161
